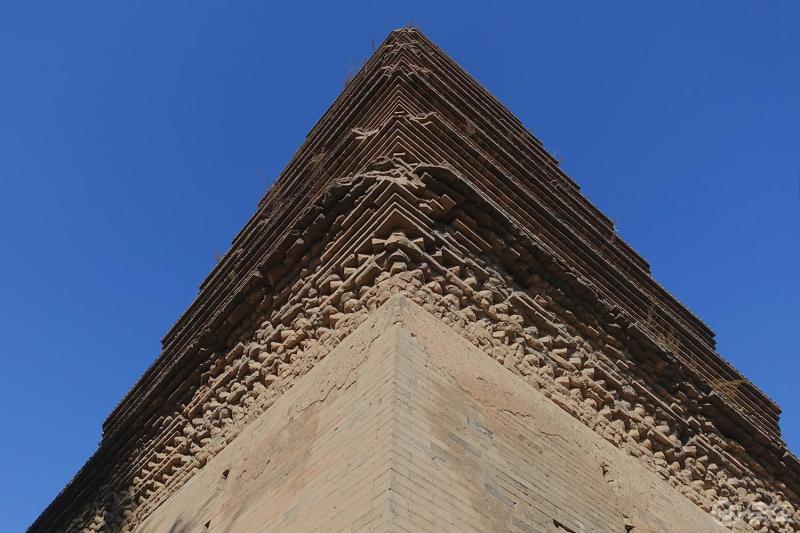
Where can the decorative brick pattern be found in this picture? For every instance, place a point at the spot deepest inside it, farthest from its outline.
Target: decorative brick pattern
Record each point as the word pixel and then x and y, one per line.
pixel 417 182
pixel 407 427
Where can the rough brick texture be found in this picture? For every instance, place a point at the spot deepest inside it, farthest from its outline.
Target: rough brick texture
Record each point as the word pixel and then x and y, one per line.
pixel 407 427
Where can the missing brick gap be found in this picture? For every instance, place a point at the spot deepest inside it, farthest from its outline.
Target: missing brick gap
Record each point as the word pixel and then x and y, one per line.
pixel 207 524
pixel 562 527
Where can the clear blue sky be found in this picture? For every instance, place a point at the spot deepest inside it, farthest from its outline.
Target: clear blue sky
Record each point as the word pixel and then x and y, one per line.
pixel 137 137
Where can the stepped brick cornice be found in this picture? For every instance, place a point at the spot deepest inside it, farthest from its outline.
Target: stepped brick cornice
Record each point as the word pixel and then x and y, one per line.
pixel 417 181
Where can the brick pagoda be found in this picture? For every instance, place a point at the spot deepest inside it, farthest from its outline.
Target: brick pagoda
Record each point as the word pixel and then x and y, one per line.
pixel 426 327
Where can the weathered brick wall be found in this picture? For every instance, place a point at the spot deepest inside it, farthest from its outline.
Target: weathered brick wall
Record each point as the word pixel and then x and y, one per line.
pixel 407 427
pixel 478 451
pixel 317 460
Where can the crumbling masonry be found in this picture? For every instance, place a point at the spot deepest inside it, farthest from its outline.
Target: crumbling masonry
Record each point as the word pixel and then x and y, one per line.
pixel 418 191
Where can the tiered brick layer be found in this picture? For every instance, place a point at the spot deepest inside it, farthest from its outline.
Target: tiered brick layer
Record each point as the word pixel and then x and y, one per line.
pixel 417 181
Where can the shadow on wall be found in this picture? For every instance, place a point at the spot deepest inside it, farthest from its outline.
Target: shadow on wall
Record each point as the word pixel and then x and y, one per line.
pixel 180 527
